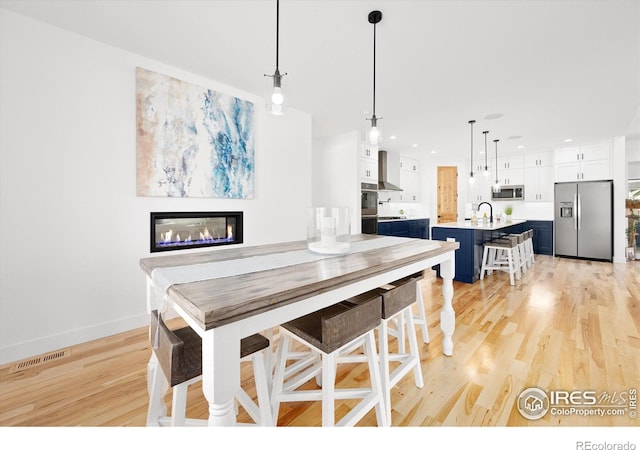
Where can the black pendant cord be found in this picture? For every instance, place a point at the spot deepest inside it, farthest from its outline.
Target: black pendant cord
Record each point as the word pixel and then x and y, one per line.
pixel 277 32
pixel 374 70
pixel 496 142
pixel 486 166
pixel 374 17
pixel 471 122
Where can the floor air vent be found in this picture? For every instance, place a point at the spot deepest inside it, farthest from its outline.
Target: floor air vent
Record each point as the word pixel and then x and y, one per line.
pixel 40 360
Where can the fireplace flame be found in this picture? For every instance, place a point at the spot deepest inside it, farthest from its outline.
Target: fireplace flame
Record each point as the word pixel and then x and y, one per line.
pixel 173 238
pixel 167 236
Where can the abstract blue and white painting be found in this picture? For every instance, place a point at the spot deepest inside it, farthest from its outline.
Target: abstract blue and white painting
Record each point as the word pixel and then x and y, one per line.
pixel 192 141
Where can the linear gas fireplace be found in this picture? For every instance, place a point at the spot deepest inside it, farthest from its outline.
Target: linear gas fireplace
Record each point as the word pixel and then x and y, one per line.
pixel 182 230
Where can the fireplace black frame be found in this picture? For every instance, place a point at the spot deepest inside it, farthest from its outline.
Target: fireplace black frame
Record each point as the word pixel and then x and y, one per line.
pixel 238 232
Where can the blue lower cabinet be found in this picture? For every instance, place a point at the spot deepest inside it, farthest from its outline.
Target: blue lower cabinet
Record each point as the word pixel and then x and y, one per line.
pixel 464 255
pixel 415 228
pixel 542 236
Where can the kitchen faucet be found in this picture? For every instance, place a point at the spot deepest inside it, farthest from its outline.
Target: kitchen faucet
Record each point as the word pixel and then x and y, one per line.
pixel 490 210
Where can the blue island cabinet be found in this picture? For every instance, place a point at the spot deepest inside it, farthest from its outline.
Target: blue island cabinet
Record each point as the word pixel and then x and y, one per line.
pixel 542 236
pixel 471 239
pixel 413 228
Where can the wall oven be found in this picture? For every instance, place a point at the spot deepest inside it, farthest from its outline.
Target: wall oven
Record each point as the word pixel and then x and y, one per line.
pixel 369 199
pixel 369 211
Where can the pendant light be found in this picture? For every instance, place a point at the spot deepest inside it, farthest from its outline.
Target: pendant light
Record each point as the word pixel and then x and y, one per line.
pixel 486 166
pixel 471 179
pixel 496 187
pixel 275 99
pixel 374 133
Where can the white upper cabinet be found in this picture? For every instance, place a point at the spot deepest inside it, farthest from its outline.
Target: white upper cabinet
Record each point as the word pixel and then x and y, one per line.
pixel 538 176
pixel 367 152
pixel 585 163
pixel 368 164
pixel 538 159
pixel 510 170
pixel 409 164
pixel 409 180
pixel 510 162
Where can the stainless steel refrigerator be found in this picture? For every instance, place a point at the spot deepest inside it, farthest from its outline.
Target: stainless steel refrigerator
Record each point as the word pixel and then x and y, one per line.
pixel 584 220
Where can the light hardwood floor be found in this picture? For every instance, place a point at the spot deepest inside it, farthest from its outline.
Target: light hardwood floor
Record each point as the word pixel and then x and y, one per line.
pixel 567 325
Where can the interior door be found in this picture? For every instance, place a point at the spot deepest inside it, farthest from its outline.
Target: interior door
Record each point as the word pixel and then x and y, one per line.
pixel 447 194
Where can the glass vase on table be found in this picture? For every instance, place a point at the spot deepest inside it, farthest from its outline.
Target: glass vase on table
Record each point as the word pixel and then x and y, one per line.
pixel 329 230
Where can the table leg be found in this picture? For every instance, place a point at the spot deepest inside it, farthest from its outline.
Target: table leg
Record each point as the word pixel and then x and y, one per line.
pixel 221 375
pixel 447 314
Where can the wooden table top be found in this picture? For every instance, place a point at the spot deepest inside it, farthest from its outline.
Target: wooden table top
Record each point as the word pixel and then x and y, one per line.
pixel 215 302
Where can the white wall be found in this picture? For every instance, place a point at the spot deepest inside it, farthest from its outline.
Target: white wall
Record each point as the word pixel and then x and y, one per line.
pixel 72 228
pixel 335 180
pixel 620 193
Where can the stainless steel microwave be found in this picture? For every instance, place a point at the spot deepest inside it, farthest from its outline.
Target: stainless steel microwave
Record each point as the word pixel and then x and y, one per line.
pixel 509 193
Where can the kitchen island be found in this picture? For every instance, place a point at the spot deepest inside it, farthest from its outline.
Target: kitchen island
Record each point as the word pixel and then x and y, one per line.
pixel 472 239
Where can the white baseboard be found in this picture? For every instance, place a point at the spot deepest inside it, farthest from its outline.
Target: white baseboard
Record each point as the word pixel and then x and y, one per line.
pixel 50 343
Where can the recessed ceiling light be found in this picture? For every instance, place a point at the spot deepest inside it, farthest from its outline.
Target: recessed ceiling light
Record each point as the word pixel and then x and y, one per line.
pixel 493 116
pixel 482 152
pixel 520 146
pixel 414 145
pixel 514 137
pixel 392 137
pixel 433 152
pixel 568 140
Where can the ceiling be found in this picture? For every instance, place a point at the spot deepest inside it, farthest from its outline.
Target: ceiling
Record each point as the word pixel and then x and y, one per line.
pixel 550 70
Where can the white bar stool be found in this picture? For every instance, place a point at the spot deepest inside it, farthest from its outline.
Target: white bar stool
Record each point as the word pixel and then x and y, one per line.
pixel 501 254
pixel 529 247
pixel 420 318
pixel 523 259
pixel 179 356
pixel 328 334
pixel 397 301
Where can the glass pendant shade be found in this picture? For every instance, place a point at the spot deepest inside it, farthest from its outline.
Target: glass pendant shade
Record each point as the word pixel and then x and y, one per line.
pixel 276 100
pixel 374 132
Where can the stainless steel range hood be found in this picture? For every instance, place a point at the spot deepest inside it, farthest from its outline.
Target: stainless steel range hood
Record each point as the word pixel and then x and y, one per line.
pixel 388 171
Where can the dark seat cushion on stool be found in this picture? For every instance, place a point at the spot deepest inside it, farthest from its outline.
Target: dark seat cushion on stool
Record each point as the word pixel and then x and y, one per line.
pixel 504 242
pixel 334 326
pixel 179 351
pixel 396 296
pixel 252 344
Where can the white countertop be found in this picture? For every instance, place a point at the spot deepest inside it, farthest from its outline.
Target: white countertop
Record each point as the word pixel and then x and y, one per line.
pixel 466 224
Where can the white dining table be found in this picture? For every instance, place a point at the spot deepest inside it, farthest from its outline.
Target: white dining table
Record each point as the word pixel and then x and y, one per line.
pixel 226 295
